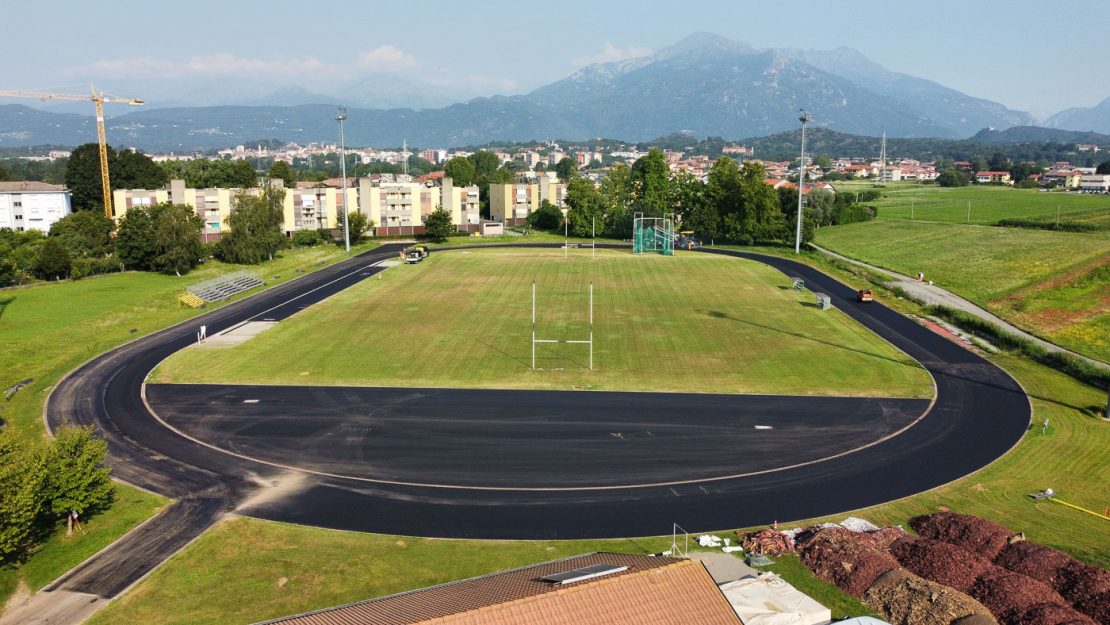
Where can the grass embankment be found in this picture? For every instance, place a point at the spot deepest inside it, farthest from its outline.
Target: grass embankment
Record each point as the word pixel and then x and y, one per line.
pixel 49 329
pixel 693 323
pixel 236 570
pixel 1053 284
pixel 989 204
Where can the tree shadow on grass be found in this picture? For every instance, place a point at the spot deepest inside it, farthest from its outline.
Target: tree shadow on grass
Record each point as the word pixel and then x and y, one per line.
pixel 4 301
pixel 716 314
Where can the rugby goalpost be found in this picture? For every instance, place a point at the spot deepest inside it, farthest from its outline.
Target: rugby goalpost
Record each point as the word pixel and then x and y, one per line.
pixel 589 341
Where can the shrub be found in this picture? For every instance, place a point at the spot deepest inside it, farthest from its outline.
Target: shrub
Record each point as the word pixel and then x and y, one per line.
pixel 306 238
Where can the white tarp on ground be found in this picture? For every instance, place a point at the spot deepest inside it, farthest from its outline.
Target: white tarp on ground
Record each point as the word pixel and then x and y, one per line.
pixel 768 600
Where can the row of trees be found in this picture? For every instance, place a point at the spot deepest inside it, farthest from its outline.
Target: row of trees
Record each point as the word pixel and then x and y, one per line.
pixel 164 237
pixel 481 168
pixel 42 484
pixel 734 204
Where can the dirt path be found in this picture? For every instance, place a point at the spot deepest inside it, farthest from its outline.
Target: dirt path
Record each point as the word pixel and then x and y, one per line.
pixel 926 293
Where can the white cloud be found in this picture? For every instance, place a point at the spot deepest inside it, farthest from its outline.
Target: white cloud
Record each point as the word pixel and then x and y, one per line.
pixel 385 58
pixel 610 53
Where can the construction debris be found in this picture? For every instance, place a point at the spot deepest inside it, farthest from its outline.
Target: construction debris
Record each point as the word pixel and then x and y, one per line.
pixel 766 542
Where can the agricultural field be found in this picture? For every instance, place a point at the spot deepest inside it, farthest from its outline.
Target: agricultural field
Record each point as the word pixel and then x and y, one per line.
pixel 1052 284
pixel 989 204
pixel 692 322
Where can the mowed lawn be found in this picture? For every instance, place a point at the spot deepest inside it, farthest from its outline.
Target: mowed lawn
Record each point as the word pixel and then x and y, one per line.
pixel 989 204
pixel 691 322
pixel 1050 283
pixel 47 330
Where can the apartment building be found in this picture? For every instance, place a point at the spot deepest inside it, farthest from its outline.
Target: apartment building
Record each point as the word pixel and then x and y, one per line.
pixel 33 205
pixel 512 203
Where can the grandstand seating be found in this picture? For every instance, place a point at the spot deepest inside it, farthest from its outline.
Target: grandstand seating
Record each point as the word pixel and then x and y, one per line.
pixel 223 287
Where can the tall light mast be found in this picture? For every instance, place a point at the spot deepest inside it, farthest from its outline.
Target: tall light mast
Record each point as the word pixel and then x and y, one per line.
pixel 804 118
pixel 340 116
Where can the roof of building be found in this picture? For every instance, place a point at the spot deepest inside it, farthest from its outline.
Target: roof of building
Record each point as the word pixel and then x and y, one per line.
pixel 29 186
pixel 650 590
pixel 993 173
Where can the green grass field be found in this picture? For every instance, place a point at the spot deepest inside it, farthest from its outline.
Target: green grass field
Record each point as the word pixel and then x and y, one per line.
pixel 1050 283
pixel 989 204
pixel 49 329
pixel 692 322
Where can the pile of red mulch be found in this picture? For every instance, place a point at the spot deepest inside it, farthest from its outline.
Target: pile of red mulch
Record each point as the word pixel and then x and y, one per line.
pixel 1050 614
pixel 1010 596
pixel 833 556
pixel 940 562
pixel 768 542
pixel 973 534
pixel 1043 564
pixel 1088 588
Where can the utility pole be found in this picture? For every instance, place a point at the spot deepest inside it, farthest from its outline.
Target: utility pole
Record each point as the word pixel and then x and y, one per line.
pixel 340 116
pixel 804 118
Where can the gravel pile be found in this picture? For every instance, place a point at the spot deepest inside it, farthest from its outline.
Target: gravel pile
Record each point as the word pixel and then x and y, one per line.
pixel 940 562
pixel 905 599
pixel 973 534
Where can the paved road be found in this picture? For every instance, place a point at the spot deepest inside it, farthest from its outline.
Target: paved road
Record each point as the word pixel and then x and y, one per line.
pixel 979 413
pixel 926 293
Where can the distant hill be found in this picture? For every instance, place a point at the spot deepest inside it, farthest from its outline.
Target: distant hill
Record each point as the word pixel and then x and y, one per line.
pixel 704 85
pixel 1094 118
pixel 1033 134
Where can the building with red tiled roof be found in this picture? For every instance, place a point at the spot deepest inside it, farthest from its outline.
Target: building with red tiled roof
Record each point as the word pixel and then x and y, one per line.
pixel 592 589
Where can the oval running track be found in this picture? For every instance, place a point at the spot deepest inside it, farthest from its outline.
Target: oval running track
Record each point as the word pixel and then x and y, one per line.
pixel 979 413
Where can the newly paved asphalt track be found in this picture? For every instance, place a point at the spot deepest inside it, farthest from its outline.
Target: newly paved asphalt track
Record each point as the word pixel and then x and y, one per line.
pixel 979 413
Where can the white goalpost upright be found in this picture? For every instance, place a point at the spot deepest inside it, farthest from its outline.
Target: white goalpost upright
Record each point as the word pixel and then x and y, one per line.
pixel 589 341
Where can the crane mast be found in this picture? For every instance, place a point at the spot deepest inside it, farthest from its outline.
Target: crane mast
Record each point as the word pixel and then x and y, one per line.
pixel 98 99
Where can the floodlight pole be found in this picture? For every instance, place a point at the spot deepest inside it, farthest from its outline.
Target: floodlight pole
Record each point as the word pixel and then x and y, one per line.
pixel 533 324
pixel 341 115
pixel 804 118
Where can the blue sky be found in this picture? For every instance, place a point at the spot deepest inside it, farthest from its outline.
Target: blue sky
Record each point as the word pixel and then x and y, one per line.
pixel 1034 56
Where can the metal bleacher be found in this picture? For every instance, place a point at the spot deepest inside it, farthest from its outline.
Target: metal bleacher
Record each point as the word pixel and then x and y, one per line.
pixel 223 287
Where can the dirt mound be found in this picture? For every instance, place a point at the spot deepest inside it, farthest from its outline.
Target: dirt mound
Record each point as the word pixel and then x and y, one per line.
pixel 905 599
pixel 1043 564
pixel 1087 587
pixel 941 562
pixel 1010 595
pixel 853 567
pixel 1051 614
pixel 973 534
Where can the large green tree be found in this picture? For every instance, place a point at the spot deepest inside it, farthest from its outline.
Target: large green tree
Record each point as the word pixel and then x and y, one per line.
pixel 85 234
pixel 1103 168
pixel 651 182
pixel 255 224
pixel 283 171
pixel 83 176
pixel 177 238
pixel 203 173
pixel 586 208
pixel 136 239
pixel 437 225
pixel 22 474
pixel 52 260
pixel 75 478
pixel 135 170
pixel 460 170
pixel 546 217
pixel 566 169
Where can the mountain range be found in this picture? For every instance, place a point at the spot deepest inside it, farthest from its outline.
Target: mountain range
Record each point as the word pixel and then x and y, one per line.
pixel 704 85
pixel 1094 118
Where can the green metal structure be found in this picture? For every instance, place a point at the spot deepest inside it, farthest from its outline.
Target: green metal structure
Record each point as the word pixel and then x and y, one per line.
pixel 653 235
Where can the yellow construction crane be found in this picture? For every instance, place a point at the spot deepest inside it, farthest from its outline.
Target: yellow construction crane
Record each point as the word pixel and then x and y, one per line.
pixel 99 99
